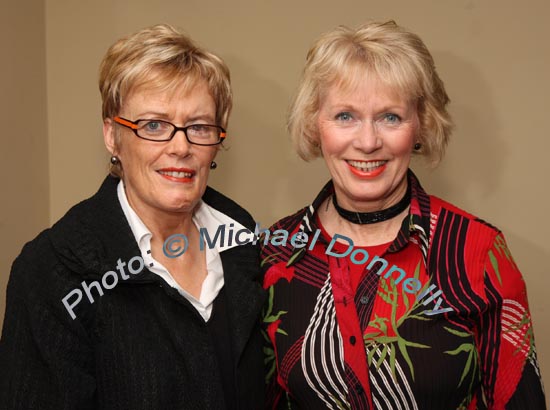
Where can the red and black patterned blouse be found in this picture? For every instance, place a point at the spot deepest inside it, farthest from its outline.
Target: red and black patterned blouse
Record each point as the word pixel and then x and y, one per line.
pixel 436 320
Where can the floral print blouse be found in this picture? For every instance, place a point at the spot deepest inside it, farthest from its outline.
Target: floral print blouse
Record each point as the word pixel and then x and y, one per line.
pixel 437 319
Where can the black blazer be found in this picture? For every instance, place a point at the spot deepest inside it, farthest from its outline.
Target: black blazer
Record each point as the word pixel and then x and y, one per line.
pixel 139 346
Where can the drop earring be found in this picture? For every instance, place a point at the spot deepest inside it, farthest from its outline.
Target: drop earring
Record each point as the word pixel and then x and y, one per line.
pixel 114 160
pixel 417 146
pixel 213 165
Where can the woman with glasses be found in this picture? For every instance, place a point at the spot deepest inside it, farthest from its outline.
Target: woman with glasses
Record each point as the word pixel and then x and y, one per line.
pixel 120 305
pixel 392 298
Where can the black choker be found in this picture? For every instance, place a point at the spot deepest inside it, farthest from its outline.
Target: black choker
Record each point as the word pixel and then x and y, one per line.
pixel 376 216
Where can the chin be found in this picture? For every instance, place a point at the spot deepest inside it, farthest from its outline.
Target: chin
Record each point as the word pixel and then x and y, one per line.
pixel 185 205
pixel 175 203
pixel 366 193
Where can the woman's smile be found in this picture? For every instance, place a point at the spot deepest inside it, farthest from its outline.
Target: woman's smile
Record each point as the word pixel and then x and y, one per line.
pixel 182 175
pixel 367 169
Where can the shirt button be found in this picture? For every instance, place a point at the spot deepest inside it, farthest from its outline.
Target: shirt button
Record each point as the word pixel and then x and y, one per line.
pixel 359 388
pixel 364 300
pixel 352 340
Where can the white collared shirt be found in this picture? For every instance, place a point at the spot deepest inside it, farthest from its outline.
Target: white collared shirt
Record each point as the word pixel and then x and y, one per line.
pixel 204 217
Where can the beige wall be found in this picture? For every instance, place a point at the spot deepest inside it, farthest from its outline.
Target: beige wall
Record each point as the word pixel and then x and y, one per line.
pixel 492 55
pixel 24 200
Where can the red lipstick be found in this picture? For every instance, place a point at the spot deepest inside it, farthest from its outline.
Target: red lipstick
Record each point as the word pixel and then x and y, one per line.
pixel 367 174
pixel 181 175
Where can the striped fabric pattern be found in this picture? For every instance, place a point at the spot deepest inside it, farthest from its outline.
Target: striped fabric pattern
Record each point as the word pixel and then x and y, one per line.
pixel 463 341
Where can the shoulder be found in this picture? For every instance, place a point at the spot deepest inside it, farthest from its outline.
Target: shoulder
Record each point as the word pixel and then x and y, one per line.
pixel 40 279
pixel 71 248
pixel 91 210
pixel 289 225
pixel 227 206
pixel 290 222
pixel 448 220
pixel 31 269
pixel 438 206
pixel 92 230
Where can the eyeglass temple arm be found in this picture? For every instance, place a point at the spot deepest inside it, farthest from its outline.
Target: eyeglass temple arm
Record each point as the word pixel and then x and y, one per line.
pixel 129 124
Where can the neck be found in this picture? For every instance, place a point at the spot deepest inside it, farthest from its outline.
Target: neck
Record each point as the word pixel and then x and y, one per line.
pixel 362 235
pixel 161 223
pixel 366 218
pixel 380 225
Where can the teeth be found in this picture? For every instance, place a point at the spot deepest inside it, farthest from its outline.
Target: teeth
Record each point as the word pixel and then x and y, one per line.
pixel 366 166
pixel 177 174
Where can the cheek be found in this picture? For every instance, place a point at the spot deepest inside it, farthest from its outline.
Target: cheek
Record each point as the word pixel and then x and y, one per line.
pixel 139 155
pixel 205 158
pixel 402 143
pixel 404 148
pixel 329 144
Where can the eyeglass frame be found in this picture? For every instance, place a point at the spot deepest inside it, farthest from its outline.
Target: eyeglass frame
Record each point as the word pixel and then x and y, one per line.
pixel 133 126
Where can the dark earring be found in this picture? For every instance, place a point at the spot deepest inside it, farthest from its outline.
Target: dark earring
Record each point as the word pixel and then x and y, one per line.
pixel 213 165
pixel 114 160
pixel 417 146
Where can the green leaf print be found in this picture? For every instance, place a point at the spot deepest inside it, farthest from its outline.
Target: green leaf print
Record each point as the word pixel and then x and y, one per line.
pixel 269 318
pixel 269 259
pixel 456 332
pixel 528 336
pixel 494 262
pixel 273 318
pixel 464 347
pixel 295 256
pixel 381 338
pixel 502 249
pixel 472 359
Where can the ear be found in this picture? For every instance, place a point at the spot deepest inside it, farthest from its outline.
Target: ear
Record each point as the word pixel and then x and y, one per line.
pixel 109 136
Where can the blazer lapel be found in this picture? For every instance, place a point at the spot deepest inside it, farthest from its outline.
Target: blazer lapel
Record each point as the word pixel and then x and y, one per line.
pixel 245 296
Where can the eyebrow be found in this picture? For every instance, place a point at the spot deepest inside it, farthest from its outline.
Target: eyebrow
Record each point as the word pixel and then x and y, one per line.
pixel 353 108
pixel 203 117
pixel 165 117
pixel 391 107
pixel 153 115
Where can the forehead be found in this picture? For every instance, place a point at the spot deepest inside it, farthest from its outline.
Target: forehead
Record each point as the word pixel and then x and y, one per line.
pixel 167 97
pixel 363 89
pixel 169 81
pixel 381 77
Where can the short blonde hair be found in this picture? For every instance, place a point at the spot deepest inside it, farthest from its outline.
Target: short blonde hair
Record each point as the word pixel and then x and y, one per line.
pixel 161 56
pixel 395 56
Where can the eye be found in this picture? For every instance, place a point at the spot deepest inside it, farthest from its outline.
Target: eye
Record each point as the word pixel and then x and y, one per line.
pixel 391 118
pixel 153 126
pixel 344 116
pixel 199 128
pixel 204 132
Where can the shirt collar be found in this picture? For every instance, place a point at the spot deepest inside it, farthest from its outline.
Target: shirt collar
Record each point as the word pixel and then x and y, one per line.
pixel 415 227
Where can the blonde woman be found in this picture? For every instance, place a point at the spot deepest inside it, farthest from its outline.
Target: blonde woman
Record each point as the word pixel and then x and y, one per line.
pixel 99 314
pixel 393 298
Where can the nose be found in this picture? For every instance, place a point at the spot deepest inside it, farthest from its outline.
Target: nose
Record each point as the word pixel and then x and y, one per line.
pixel 179 145
pixel 368 137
